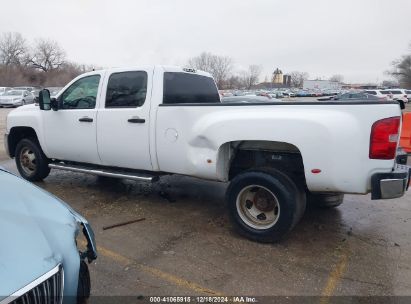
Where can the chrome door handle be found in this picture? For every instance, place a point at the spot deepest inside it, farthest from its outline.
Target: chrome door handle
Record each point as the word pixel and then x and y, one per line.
pixel 85 119
pixel 136 119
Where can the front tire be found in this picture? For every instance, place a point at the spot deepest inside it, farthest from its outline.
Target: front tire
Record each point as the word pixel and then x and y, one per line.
pixel 31 162
pixel 265 204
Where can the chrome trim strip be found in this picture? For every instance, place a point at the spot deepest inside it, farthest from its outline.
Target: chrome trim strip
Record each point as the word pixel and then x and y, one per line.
pixel 33 284
pixel 62 286
pixel 100 173
pixel 392 188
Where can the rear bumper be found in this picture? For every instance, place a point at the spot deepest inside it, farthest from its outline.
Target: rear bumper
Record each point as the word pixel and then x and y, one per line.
pixel 390 185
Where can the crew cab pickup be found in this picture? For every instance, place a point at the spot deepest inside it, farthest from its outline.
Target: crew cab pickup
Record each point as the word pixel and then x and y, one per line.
pixel 144 122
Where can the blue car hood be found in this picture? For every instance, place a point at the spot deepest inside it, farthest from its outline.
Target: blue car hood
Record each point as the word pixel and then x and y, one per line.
pixel 36 233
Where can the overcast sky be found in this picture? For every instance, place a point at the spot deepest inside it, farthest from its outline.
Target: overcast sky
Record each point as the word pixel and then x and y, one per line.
pixel 356 38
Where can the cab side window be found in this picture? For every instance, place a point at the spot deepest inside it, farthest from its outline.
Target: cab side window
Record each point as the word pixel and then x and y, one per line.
pixel 126 89
pixel 82 94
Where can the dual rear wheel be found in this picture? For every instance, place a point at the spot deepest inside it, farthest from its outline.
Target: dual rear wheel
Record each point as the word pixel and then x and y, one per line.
pixel 266 204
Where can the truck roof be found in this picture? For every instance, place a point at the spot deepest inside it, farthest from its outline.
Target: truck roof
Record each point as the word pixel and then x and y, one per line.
pixel 166 68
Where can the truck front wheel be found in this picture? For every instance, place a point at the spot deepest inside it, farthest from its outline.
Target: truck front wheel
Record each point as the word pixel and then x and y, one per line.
pixel 31 162
pixel 265 204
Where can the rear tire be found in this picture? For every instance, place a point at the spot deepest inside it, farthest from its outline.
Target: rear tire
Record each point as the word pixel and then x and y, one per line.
pixel 84 285
pixel 325 200
pixel 32 163
pixel 265 204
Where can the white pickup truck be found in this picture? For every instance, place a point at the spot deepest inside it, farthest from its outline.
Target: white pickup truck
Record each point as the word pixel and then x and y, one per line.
pixel 144 122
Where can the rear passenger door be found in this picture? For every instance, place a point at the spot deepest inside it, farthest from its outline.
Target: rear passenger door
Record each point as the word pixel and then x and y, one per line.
pixel 123 120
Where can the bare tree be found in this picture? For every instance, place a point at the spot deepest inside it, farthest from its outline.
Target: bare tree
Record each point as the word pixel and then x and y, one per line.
pixel 202 62
pixel 297 78
pixel 13 48
pixel 390 83
pixel 47 55
pixel 337 78
pixel 402 71
pixel 218 66
pixel 251 76
pixel 222 69
pixel 234 82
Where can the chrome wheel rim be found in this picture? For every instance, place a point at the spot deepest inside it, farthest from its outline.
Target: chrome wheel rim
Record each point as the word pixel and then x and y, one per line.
pixel 28 161
pixel 258 207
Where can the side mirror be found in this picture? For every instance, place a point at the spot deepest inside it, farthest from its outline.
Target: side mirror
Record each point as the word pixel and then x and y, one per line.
pixel 44 100
pixel 402 104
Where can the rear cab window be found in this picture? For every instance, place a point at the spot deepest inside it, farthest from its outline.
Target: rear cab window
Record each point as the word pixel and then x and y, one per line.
pixel 187 88
pixel 126 89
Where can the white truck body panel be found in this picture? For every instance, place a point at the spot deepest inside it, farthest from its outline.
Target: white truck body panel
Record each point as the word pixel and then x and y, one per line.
pixel 331 138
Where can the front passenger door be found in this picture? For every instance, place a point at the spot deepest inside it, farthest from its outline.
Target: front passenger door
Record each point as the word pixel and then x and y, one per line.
pixel 70 132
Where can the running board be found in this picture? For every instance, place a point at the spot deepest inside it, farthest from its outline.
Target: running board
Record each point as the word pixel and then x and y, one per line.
pixel 104 172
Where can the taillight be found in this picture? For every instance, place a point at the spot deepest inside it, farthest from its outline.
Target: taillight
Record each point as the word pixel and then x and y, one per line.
pixel 384 138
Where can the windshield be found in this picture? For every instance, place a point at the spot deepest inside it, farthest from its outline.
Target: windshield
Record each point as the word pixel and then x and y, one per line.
pixel 385 92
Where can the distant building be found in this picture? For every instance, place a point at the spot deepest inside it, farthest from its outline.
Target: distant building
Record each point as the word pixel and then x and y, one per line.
pixel 278 80
pixel 321 85
pixel 277 76
pixel 287 80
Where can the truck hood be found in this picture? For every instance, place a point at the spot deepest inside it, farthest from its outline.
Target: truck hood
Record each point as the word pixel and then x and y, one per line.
pixel 36 230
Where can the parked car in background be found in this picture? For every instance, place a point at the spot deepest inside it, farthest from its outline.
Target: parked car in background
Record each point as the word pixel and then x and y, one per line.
pixel 408 94
pixel 40 262
pixel 54 90
pixel 249 99
pixel 276 94
pixel 352 96
pixel 302 93
pixel 15 98
pixel 4 90
pixel 387 94
pixel 355 95
pixel 378 93
pixel 399 94
pixel 36 93
pixel 24 88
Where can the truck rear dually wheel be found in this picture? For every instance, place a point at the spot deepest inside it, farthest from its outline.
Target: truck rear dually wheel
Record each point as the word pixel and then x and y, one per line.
pixel 325 200
pixel 31 161
pixel 265 204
